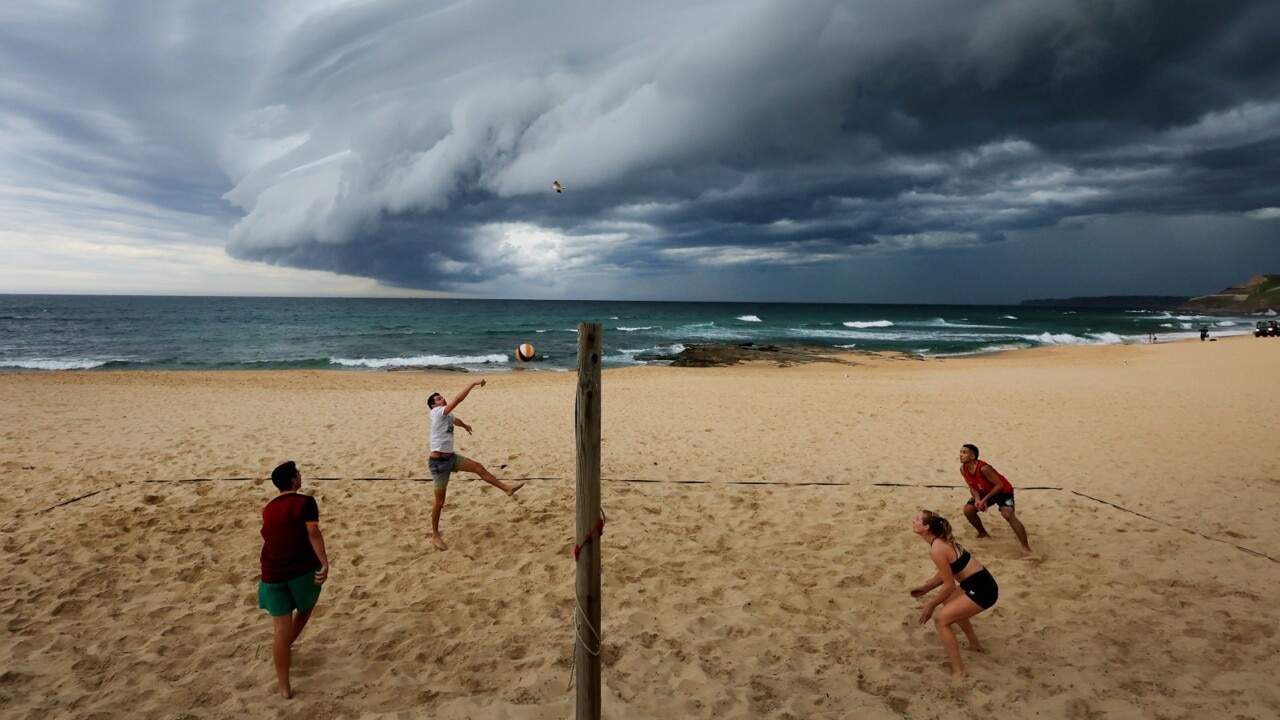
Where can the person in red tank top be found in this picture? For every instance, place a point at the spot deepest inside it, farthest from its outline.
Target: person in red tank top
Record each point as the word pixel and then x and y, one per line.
pixel 988 488
pixel 294 565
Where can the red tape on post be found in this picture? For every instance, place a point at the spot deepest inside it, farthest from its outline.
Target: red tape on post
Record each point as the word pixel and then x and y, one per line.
pixel 598 530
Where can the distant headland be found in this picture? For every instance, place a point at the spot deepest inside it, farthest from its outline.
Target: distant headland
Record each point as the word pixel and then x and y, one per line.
pixel 1119 302
pixel 1259 294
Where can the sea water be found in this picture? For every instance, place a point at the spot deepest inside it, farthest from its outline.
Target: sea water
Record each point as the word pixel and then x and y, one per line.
pixel 78 332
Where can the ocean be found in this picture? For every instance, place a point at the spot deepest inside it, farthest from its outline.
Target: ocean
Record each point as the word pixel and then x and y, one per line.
pixel 79 332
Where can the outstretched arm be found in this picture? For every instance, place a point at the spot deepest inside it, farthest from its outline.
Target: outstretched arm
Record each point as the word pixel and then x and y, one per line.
pixel 457 400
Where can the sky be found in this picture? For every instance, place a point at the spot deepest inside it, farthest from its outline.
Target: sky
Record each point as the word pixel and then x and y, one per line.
pixel 915 151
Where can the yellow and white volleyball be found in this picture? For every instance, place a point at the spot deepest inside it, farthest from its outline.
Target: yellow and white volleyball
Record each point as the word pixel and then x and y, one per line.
pixel 524 353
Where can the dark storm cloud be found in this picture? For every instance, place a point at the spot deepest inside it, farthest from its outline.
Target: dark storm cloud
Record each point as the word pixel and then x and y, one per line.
pixel 127 97
pixel 763 129
pixel 415 142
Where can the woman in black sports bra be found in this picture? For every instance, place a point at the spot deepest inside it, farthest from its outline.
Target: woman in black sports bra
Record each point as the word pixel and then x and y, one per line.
pixel 967 587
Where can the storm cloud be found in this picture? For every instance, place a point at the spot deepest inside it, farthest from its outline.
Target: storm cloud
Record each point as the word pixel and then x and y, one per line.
pixel 416 142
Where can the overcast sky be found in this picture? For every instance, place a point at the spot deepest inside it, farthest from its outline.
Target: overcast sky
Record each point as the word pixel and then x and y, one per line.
pixel 791 150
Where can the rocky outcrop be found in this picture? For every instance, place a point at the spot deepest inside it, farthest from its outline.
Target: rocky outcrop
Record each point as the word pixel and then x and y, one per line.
pixel 1260 294
pixel 722 355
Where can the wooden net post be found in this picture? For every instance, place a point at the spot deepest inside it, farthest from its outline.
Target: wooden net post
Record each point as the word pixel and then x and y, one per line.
pixel 586 619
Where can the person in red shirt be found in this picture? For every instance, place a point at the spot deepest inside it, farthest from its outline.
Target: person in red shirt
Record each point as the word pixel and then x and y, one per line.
pixel 294 565
pixel 988 488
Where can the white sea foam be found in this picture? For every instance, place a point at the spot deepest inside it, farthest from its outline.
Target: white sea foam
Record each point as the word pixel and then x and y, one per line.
pixel 710 332
pixel 939 322
pixel 976 351
pixel 750 318
pixel 1225 323
pixel 1008 317
pixel 1056 339
pixel 628 355
pixel 867 324
pixel 877 334
pixel 46 364
pixel 1105 338
pixel 634 329
pixel 419 361
pixel 623 357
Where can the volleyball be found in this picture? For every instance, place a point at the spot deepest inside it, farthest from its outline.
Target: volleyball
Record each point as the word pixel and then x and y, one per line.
pixel 524 353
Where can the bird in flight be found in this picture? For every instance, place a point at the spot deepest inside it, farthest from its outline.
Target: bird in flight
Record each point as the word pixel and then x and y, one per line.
pixel 557 186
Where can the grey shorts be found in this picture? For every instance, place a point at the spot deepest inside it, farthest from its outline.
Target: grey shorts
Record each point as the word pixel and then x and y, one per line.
pixel 442 468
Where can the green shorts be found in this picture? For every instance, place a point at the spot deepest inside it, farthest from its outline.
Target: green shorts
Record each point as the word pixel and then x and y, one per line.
pixel 442 468
pixel 282 598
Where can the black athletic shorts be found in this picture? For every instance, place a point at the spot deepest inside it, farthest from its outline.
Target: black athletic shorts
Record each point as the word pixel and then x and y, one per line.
pixel 1000 500
pixel 981 588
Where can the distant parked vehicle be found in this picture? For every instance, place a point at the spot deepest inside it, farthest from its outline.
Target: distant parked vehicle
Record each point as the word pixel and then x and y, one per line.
pixel 1266 328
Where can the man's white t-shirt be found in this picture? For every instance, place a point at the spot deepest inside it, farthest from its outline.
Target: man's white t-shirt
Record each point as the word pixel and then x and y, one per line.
pixel 441 430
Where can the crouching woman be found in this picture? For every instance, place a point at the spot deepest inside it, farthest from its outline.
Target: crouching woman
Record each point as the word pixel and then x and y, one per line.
pixel 967 587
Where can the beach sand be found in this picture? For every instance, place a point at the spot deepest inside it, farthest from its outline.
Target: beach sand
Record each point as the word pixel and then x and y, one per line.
pixel 1148 478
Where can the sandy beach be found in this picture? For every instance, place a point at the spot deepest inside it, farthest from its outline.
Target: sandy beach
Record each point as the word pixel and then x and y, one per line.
pixel 761 571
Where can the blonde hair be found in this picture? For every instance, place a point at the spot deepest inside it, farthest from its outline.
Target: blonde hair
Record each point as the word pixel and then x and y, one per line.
pixel 937 525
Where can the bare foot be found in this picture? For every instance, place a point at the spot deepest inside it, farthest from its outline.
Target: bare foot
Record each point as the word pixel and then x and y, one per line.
pixel 438 542
pixel 984 536
pixel 976 647
pixel 958 675
pixel 286 693
pixel 511 489
pixel 1026 548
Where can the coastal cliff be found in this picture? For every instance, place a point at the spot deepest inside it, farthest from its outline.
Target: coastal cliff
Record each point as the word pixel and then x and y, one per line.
pixel 1125 302
pixel 1260 294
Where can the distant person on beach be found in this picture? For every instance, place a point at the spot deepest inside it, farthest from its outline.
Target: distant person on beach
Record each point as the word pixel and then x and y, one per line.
pixel 444 461
pixel 988 488
pixel 978 590
pixel 294 565
pixel 1204 332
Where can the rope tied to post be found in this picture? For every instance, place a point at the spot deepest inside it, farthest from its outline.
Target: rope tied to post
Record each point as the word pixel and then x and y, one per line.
pixel 579 613
pixel 597 530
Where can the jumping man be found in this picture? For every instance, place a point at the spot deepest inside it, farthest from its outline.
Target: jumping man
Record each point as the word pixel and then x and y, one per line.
pixel 444 461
